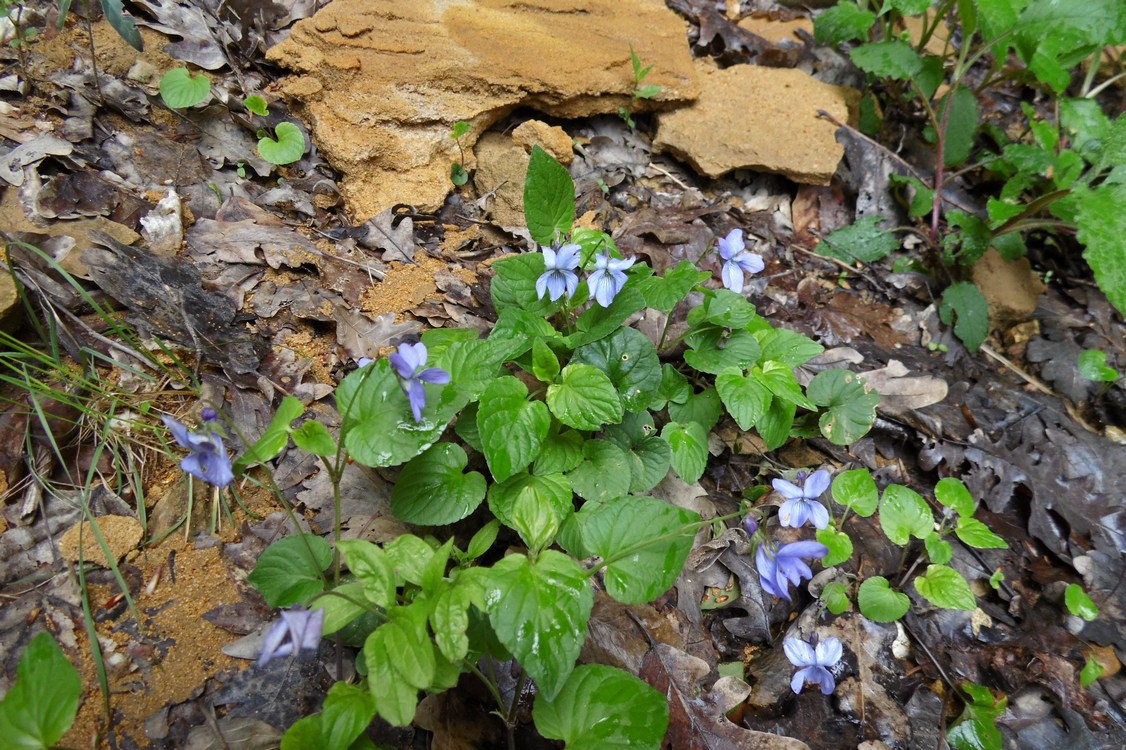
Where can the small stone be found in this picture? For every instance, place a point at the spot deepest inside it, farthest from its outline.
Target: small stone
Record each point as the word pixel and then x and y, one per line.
pixel 1010 287
pixel 749 117
pixel 501 165
pixel 553 140
pixel 122 535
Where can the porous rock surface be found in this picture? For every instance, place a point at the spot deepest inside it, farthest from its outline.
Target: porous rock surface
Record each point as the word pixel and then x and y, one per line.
pixel 758 118
pixel 383 81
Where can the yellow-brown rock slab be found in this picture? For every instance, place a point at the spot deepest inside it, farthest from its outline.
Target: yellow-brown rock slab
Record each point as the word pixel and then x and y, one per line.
pixel 758 118
pixel 383 81
pixel 122 535
pixel 1010 287
pixel 777 31
pixel 501 165
pixel 552 139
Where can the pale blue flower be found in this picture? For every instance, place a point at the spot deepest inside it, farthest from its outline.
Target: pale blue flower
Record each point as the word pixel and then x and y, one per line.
pixel 207 458
pixel 296 630
pixel 776 570
pixel 801 502
pixel 814 661
pixel 560 277
pixel 737 260
pixel 608 278
pixel 409 362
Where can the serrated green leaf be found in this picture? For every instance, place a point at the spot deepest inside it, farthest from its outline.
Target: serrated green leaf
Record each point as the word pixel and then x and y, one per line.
pixel 275 438
pixel 584 398
pixel 856 489
pixel 851 405
pixel 649 462
pixel 533 505
pixel 599 322
pixel 483 540
pixel 879 602
pixel 562 451
pixel 704 408
pixel 514 285
pixel 969 305
pixel 1078 603
pixel 674 388
pixel 961 124
pixel 843 22
pixel 414 560
pixel 256 105
pixel 604 473
pixel 449 619
pixel 892 58
pixel 346 712
pixel 835 596
pixel 545 365
pixel 286 147
pixel 42 704
pixel 724 308
pixel 967 239
pixel 373 567
pixel 779 379
pixel 341 606
pixel 433 491
pixel 788 347
pixel 664 292
pixel 630 361
pixel 549 198
pixel 180 89
pixel 539 611
pixel 689 444
pixel 314 437
pixel 776 423
pixel 839 544
pixel 603 708
pixel 645 542
pixel 512 428
pixel 861 241
pixel 713 349
pixel 1102 229
pixel 289 570
pixel 904 514
pixel 952 493
pixel 920 198
pixel 745 398
pixel 939 550
pixel 976 534
pixel 945 587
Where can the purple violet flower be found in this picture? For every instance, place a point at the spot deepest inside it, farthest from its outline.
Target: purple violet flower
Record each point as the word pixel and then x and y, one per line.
pixel 814 661
pixel 608 278
pixel 560 276
pixel 737 260
pixel 297 629
pixel 207 458
pixel 409 362
pixel 778 569
pixel 801 502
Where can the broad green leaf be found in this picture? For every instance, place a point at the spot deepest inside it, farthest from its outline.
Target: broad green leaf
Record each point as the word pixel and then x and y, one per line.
pixel 460 128
pixel 879 602
pixel 347 711
pixel 713 349
pixel 449 620
pixel 779 379
pixel 961 124
pixel 1092 365
pixel 664 292
pixel 892 58
pixel 704 408
pixel 745 398
pixel 844 22
pixel 511 427
pixel 562 451
pixel 775 425
pixel 473 365
pixel 967 238
pixel 604 473
pixel 413 559
pixel 584 398
pixel 839 544
pixel 373 567
pixel 603 708
pixel 289 570
pixel 976 534
pixel 835 596
pixel 649 462
pixel 939 550
pixel 539 611
pixel 379 429
pixel 857 489
pixel 945 587
pixel 788 347
pixel 483 540
pixel 723 308
pixel 674 388
pixel 432 490
pixel 1091 671
pixel 549 198
pixel 255 104
pixel 966 301
pixel 861 241
pixel 920 197
pixel 904 514
pixel 1078 603
pixel 644 542
pixel 395 694
pixel 689 444
pixel 976 728
pixel 1102 227
pixel 952 493
pixel 180 89
pixel 592 242
pixel 908 7
pixel 514 285
pixel 275 438
pixel 341 606
pixel 123 24
pixel 314 437
pixel 630 361
pixel 286 147
pixel 851 405
pixel 599 322
pixel 545 365
pixel 39 709
pixel 533 505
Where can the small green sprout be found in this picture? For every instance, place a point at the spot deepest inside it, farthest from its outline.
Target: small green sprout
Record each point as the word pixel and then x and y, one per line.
pixel 458 175
pixel 639 91
pixel 255 104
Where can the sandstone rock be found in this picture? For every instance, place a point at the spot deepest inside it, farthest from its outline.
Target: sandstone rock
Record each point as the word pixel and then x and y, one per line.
pixel 777 31
pixel 383 81
pixel 1010 287
pixel 122 535
pixel 501 165
pixel 758 118
pixel 553 140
